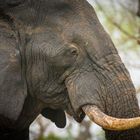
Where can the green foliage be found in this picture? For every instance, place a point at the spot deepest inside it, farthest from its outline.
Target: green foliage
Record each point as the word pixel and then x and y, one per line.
pixel 41 138
pixel 122 25
pixel 54 137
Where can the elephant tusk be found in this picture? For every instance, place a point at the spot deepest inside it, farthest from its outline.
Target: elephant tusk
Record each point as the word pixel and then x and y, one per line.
pixel 108 122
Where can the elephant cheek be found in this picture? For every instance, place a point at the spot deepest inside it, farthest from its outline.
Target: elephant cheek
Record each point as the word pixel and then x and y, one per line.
pixel 86 89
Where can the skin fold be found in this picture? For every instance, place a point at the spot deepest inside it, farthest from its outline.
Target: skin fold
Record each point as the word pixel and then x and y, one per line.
pixel 55 57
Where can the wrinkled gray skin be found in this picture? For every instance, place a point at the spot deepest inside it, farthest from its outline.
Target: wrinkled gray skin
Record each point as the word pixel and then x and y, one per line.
pixel 55 56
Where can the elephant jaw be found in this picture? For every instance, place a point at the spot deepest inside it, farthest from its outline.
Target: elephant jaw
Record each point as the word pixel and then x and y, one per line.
pixel 78 90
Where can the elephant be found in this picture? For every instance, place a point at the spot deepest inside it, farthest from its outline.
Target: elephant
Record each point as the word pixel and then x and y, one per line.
pixel 56 58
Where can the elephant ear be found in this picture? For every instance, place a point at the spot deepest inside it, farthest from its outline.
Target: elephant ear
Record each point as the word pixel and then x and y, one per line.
pixel 55 115
pixel 13 89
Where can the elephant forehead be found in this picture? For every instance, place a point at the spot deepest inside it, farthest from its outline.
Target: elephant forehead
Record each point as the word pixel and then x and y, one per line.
pixel 73 21
pixel 49 42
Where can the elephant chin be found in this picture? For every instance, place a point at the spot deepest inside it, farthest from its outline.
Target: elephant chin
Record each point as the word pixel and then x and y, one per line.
pixel 77 116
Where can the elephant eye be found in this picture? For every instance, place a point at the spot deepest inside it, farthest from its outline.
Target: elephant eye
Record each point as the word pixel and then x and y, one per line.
pixel 72 50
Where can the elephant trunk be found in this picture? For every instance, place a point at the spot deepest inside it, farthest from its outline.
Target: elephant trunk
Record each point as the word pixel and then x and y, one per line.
pixel 111 92
pixel 120 101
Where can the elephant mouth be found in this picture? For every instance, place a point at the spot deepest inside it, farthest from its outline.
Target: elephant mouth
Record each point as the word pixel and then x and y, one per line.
pixel 78 116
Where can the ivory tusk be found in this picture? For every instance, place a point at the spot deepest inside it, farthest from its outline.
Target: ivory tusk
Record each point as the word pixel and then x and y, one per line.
pixel 108 122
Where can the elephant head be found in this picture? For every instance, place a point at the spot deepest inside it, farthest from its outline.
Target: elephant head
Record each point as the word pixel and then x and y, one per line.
pixel 72 65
